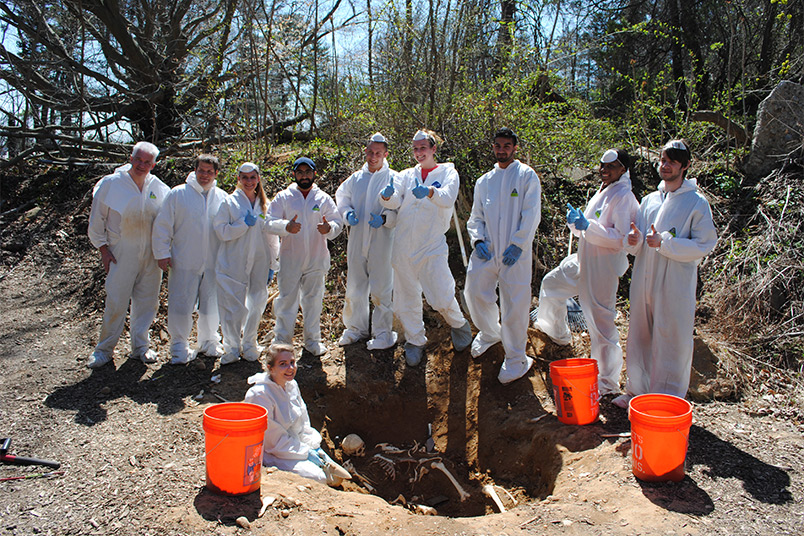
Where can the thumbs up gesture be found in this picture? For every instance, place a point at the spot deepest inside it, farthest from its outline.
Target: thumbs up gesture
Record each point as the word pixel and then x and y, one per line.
pixel 324 227
pixel 293 226
pixel 654 239
pixel 634 236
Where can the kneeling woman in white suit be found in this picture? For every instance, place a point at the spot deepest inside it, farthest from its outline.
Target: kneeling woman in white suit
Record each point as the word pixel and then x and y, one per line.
pixel 246 258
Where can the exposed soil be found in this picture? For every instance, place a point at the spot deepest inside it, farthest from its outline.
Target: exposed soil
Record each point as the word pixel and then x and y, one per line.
pixel 130 440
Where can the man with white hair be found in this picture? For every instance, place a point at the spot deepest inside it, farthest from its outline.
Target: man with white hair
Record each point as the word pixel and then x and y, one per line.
pixel 124 205
pixel 594 272
pixel 368 253
pixel 185 243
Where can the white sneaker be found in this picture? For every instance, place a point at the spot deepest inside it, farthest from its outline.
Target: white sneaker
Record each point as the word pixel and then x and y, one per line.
pixel 210 349
pixel 183 358
pixel 383 341
pixel 514 368
pixel 622 401
pixel 316 348
pixel 252 353
pixel 480 345
pixel 98 359
pixel 229 358
pixel 148 357
pixel 349 337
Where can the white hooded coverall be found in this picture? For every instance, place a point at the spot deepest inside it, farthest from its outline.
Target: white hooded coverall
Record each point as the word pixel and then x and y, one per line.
pixel 245 256
pixel 368 253
pixel 183 231
pixel 660 331
pixel 594 274
pixel 506 210
pixel 289 437
pixel 304 259
pixel 121 218
pixel 420 249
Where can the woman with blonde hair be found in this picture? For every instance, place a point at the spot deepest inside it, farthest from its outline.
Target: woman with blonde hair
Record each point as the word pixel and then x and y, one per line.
pixel 246 260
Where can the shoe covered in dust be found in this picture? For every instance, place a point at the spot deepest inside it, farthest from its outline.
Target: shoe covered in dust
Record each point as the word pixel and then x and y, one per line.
pixel 461 337
pixel 349 337
pixel 481 344
pixel 514 368
pixel 210 348
pixel 98 359
pixel 316 348
pixel 148 357
pixel 181 356
pixel 383 341
pixel 229 358
pixel 413 354
pixel 622 401
pixel 252 353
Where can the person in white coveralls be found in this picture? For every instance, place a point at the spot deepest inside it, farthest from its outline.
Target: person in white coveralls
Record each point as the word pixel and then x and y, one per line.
pixel 185 245
pixel 246 257
pixel 593 273
pixel 124 205
pixel 505 214
pixel 424 197
pixel 368 253
pixel 673 232
pixel 305 217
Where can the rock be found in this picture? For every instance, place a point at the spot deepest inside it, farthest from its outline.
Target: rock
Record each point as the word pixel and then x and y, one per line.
pixel 705 384
pixel 33 213
pixel 243 522
pixel 780 122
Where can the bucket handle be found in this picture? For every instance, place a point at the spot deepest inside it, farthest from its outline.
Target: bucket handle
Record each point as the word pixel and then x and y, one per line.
pixel 218 445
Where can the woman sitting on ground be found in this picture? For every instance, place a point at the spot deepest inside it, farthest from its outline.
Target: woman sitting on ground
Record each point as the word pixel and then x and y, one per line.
pixel 290 443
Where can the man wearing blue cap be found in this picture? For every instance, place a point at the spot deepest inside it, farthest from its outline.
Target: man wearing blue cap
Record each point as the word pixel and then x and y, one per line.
pixel 594 272
pixel 368 254
pixel 304 217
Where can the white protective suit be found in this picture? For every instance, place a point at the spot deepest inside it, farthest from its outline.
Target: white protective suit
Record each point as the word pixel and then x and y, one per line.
pixel 122 218
pixel 506 210
pixel 594 275
pixel 245 256
pixel 183 231
pixel 289 437
pixel 663 282
pixel 420 249
pixel 304 260
pixel 368 254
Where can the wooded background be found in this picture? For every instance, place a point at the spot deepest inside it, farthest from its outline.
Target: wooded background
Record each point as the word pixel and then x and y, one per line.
pixel 81 77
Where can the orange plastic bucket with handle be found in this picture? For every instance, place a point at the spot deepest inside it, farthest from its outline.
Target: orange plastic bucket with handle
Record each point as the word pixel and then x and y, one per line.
pixel 660 428
pixel 233 439
pixel 575 390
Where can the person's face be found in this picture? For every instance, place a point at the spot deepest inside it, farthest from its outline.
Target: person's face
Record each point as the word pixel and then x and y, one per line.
pixel 376 153
pixel 249 181
pixel 671 170
pixel 205 174
pixel 142 163
pixel 423 152
pixel 284 368
pixel 504 150
pixel 611 172
pixel 304 176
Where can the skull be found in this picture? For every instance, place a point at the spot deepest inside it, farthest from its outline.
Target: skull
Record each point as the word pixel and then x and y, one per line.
pixel 352 445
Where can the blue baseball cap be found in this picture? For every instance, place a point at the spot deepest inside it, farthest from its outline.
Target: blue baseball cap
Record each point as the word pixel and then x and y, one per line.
pixel 303 160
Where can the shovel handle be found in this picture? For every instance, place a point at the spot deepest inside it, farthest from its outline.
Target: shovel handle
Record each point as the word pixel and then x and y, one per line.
pixel 19 460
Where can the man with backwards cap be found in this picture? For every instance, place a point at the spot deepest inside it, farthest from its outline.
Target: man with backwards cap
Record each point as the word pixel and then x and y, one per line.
pixel 673 232
pixel 595 270
pixel 505 214
pixel 424 196
pixel 368 253
pixel 185 243
pixel 304 217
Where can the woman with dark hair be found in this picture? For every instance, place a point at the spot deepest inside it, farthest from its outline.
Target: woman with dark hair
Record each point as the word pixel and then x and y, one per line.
pixel 673 232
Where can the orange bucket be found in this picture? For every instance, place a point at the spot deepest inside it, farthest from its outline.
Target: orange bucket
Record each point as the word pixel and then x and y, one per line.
pixel 233 440
pixel 575 390
pixel 660 428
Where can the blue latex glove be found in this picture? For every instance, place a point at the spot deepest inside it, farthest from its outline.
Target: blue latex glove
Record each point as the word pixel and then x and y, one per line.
pixel 351 217
pixel 511 255
pixel 376 220
pixel 388 191
pixel 421 191
pixel 572 214
pixel 251 219
pixel 314 457
pixel 581 223
pixel 270 275
pixel 482 250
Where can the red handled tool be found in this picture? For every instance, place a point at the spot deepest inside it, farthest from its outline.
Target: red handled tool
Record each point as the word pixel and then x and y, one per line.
pixel 5 457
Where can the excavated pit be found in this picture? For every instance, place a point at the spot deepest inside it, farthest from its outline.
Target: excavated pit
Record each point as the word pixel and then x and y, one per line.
pixel 484 433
